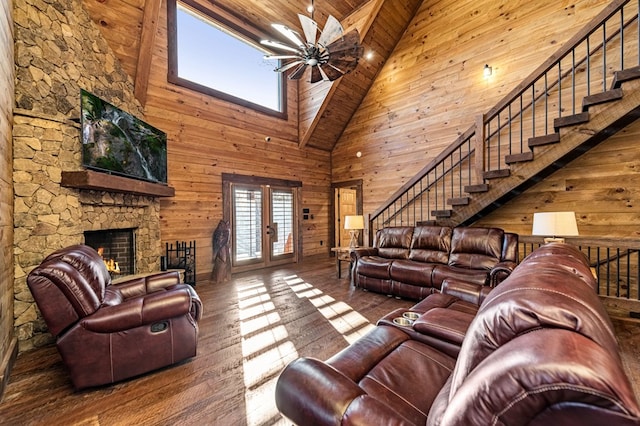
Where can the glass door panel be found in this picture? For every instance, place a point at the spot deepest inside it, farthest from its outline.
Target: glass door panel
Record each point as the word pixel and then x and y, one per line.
pixel 282 229
pixel 247 224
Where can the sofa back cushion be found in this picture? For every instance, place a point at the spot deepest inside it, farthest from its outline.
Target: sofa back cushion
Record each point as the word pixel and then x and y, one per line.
pixel 394 243
pixel 545 377
pixel 476 248
pixel 541 340
pixel 538 294
pixel 431 244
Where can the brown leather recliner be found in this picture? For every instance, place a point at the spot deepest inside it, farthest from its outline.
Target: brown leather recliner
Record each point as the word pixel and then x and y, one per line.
pixel 107 332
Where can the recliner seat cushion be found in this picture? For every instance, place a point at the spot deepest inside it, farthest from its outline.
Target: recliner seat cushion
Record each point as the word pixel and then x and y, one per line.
pixel 374 267
pixel 410 272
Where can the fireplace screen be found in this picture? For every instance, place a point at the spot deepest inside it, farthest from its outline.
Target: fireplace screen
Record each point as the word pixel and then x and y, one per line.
pixel 116 246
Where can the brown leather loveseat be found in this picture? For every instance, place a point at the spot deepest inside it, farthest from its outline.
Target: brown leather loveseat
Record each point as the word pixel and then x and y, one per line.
pixel 108 332
pixel 539 350
pixel 412 262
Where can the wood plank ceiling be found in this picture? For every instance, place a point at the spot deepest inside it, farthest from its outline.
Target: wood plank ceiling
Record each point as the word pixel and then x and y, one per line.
pixel 129 27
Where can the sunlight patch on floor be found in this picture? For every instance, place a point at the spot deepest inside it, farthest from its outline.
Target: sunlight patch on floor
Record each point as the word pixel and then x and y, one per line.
pixel 266 350
pixel 347 321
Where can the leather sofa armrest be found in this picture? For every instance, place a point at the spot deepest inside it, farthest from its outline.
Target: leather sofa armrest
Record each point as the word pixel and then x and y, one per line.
pixel 445 324
pixel 139 285
pixel 500 272
pixel 310 391
pixel 139 311
pixel 469 292
pixel 357 253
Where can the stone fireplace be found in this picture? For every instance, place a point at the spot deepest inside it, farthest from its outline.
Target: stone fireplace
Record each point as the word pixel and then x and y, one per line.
pixel 51 68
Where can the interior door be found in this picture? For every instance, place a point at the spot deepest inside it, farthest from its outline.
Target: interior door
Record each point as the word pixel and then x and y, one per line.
pixel 346 205
pixel 263 226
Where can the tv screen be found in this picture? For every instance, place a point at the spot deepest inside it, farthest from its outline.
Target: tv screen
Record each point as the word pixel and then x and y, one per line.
pixel 116 142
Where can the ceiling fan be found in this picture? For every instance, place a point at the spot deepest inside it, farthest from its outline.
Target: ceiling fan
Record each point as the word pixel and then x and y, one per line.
pixel 330 56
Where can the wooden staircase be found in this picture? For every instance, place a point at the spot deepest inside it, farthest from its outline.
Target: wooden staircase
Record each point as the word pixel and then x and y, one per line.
pixel 602 116
pixel 519 141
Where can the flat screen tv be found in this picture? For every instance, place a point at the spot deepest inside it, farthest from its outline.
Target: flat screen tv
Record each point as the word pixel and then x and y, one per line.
pixel 116 142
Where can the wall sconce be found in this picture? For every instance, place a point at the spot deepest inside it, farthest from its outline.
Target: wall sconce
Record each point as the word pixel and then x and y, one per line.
pixel 353 224
pixel 553 224
pixel 487 71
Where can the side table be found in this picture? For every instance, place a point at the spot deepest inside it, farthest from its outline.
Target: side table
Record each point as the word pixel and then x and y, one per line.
pixel 343 254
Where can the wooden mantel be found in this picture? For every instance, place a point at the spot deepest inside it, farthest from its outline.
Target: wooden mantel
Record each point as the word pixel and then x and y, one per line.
pixel 89 179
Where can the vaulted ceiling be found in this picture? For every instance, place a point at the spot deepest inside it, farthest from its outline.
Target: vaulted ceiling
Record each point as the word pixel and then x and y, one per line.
pixel 129 26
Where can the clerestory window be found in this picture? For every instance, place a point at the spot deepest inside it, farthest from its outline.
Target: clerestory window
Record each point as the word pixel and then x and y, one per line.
pixel 209 54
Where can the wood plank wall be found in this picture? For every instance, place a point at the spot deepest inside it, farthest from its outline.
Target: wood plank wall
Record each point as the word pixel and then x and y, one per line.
pixel 7 337
pixel 208 137
pixel 432 87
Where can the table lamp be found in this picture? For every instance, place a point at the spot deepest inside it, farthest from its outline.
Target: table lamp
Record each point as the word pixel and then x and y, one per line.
pixel 354 224
pixel 554 224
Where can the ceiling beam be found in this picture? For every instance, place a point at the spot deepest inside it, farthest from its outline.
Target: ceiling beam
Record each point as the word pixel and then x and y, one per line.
pixel 145 51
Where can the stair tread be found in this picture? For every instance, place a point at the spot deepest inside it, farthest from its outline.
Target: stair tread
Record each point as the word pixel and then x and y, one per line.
pixel 620 77
pixel 570 120
pixel 482 187
pixel 518 158
pixel 543 140
pixel 600 98
pixel 459 201
pixel 441 213
pixel 426 223
pixel 494 174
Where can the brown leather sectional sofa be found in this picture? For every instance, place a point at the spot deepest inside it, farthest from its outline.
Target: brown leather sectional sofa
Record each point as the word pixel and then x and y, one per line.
pixel 539 349
pixel 413 262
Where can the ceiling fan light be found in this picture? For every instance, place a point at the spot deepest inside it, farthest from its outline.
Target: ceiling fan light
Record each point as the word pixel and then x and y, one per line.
pixel 313 62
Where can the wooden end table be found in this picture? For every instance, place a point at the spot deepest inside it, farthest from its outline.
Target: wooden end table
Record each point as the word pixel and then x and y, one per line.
pixel 343 254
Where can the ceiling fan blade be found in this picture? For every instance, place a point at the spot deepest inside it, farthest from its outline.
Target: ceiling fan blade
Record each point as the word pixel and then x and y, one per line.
pixel 331 73
pixel 289 34
pixel 295 75
pixel 279 45
pixel 289 66
pixel 271 57
pixel 343 67
pixel 331 32
pixel 347 46
pixel 309 27
pixel 316 76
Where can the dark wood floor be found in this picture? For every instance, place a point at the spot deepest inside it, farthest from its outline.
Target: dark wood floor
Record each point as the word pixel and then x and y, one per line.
pixel 252 327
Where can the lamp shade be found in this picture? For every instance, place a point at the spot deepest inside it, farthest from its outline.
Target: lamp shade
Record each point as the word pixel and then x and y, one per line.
pixel 555 224
pixel 354 222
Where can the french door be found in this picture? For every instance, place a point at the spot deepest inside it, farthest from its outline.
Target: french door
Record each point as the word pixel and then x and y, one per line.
pixel 263 225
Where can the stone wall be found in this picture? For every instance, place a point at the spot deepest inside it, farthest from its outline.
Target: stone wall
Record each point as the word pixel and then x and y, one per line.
pixel 7 336
pixel 58 51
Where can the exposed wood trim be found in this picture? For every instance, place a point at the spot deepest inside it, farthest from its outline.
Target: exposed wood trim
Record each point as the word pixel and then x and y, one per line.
pixel 89 179
pixel 258 180
pixel 147 41
pixel 8 360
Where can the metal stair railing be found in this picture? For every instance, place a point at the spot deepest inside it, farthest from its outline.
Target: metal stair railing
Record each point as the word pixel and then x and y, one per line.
pixel 581 68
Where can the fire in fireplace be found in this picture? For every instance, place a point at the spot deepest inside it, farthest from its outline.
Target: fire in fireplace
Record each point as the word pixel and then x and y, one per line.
pixel 116 247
